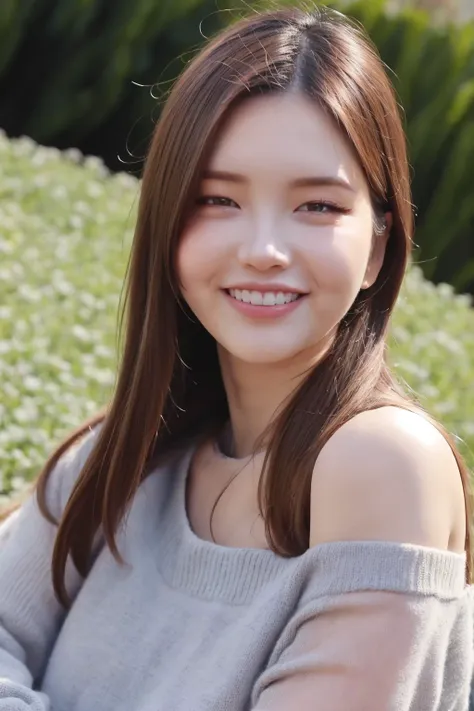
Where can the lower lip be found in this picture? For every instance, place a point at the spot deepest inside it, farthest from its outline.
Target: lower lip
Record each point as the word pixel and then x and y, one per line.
pixel 264 312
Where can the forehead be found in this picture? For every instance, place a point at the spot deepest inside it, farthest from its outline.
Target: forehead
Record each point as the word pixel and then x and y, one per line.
pixel 285 135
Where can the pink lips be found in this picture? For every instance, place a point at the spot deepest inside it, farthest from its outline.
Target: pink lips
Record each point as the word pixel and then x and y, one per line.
pixel 264 312
pixel 274 287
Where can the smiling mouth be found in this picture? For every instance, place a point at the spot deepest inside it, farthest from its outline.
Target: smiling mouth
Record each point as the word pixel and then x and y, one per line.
pixel 266 298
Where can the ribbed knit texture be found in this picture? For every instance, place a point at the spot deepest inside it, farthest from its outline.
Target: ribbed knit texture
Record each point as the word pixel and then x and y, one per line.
pixel 187 625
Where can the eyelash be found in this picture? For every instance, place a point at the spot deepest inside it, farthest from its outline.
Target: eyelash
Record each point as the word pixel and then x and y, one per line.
pixel 202 201
pixel 332 206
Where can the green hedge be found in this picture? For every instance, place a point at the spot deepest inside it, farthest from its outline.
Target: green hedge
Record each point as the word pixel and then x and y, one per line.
pixel 71 62
pixel 66 233
pixel 70 69
pixel 433 71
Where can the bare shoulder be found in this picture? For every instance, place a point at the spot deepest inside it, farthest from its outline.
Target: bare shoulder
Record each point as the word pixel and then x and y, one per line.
pixel 388 474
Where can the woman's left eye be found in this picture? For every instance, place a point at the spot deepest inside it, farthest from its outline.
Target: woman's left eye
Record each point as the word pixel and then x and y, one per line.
pixel 215 201
pixel 322 208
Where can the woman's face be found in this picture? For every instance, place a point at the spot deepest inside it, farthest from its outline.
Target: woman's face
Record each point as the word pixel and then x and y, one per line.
pixel 280 241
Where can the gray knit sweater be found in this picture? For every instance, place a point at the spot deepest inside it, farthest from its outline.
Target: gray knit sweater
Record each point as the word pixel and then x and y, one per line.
pixel 187 625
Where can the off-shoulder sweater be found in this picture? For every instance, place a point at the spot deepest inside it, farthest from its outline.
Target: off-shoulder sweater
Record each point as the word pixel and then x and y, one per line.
pixel 188 625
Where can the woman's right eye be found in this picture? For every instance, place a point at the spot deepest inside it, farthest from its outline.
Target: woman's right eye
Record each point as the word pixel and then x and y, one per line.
pixel 215 201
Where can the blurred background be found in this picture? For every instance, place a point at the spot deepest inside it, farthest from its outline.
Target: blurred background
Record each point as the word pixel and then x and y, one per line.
pixel 88 78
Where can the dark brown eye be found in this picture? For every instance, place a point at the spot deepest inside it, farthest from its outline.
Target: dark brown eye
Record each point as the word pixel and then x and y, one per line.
pixel 216 201
pixel 322 207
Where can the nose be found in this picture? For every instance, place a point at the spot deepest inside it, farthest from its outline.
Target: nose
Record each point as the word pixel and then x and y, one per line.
pixel 264 249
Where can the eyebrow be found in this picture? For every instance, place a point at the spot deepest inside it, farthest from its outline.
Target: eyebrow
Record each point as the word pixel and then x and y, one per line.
pixel 307 182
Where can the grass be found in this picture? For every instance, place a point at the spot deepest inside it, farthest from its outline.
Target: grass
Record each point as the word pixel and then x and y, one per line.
pixel 66 226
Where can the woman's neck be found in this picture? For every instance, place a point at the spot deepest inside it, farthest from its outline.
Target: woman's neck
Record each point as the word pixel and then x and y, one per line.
pixel 255 394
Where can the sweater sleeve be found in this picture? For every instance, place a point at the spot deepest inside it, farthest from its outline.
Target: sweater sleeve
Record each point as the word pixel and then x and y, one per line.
pixel 30 614
pixel 378 638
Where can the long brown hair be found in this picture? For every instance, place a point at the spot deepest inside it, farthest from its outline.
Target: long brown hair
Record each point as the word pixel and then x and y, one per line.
pixel 169 387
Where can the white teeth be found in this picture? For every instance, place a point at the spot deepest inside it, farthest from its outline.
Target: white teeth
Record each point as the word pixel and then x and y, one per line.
pixel 267 298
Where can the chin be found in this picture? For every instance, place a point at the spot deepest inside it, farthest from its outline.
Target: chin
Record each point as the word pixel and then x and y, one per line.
pixel 262 354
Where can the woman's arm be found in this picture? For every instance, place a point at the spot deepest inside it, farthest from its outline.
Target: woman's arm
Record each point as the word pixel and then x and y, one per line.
pixel 30 614
pixel 371 651
pixel 385 480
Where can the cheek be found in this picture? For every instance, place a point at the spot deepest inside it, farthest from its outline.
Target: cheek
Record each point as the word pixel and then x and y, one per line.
pixel 339 262
pixel 192 259
pixel 201 260
pixel 185 263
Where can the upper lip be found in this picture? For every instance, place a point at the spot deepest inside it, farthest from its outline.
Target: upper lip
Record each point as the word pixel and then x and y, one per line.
pixel 265 288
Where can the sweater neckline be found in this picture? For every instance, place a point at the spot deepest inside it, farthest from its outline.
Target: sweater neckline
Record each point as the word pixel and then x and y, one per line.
pixel 235 575
pixel 205 568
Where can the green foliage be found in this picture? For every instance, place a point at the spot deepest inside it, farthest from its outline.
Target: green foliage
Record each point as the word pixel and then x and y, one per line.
pixel 433 71
pixel 13 20
pixel 61 82
pixel 64 245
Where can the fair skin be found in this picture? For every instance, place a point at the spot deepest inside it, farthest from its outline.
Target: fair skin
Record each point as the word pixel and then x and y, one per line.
pixel 257 224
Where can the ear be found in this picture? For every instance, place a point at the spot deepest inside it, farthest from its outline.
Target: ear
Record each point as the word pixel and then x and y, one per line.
pixel 377 255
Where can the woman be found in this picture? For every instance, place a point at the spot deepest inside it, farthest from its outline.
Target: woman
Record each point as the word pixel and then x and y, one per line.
pixel 260 519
